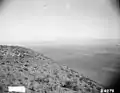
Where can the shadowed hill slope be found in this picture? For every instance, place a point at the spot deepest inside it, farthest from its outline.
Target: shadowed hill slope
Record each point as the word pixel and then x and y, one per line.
pixel 40 74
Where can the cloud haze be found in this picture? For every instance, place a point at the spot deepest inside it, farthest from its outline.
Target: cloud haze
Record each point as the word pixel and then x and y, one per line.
pixel 52 20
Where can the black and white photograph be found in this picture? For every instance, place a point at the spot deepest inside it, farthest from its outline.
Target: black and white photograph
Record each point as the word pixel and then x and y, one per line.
pixel 59 46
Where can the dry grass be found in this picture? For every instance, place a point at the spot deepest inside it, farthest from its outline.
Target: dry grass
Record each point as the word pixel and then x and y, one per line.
pixel 40 74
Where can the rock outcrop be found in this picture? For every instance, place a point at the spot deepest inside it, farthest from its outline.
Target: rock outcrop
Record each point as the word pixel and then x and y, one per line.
pixel 40 74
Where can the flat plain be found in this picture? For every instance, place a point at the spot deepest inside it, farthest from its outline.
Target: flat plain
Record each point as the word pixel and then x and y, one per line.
pixel 100 62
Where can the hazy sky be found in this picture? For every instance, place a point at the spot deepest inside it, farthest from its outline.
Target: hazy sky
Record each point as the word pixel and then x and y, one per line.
pixel 51 20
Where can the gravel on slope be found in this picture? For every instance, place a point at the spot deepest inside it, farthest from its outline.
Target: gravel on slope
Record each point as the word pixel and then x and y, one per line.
pixel 40 74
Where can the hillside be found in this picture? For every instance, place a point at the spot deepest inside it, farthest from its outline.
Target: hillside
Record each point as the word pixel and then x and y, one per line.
pixel 40 74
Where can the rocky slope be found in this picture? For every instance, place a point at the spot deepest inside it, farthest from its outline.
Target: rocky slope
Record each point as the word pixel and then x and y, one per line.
pixel 40 74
